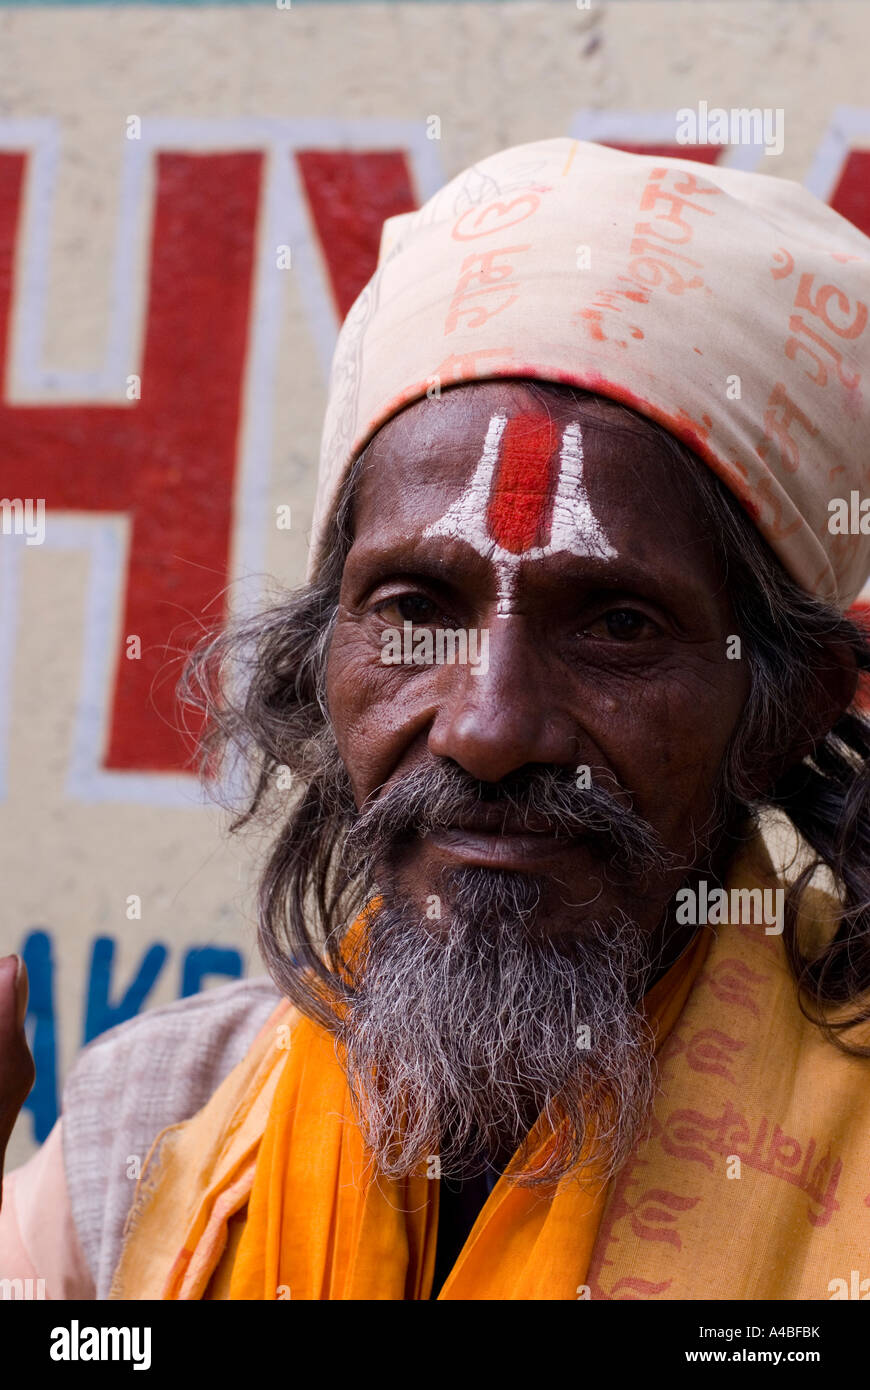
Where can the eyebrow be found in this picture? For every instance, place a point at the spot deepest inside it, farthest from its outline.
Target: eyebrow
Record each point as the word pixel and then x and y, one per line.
pixel 439 558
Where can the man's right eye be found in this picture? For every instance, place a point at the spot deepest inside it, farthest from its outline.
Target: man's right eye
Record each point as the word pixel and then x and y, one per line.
pixel 409 608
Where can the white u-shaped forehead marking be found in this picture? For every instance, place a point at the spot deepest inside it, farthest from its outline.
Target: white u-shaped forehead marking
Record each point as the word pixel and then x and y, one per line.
pixel 573 525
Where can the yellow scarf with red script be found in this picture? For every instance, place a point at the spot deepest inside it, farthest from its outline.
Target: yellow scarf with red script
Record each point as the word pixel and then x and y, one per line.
pixel 753 1184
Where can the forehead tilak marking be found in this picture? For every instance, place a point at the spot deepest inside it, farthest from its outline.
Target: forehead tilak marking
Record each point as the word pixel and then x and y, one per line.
pixel 511 511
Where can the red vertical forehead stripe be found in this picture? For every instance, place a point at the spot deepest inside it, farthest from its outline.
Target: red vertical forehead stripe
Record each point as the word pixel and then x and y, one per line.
pixel 521 502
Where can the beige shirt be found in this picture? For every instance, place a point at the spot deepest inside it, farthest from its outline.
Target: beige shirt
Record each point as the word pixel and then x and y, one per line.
pixel 38 1237
pixel 63 1212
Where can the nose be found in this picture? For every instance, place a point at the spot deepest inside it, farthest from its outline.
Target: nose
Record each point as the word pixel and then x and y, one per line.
pixel 494 721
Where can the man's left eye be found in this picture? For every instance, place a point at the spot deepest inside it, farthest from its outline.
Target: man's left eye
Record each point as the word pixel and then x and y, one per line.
pixel 622 625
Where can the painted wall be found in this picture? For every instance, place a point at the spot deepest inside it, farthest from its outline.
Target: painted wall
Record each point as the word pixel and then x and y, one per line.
pixel 190 198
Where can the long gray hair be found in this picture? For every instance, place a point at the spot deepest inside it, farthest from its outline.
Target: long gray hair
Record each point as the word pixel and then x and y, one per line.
pixel 260 684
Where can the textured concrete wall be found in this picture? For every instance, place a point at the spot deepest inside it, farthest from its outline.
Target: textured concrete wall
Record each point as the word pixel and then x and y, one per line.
pixel 155 257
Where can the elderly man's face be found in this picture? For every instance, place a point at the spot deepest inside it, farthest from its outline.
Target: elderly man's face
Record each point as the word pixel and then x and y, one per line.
pixel 608 639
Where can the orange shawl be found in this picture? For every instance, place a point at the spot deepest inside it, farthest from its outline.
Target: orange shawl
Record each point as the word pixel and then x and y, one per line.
pixel 376 1239
pixel 317 1227
pixel 759 1140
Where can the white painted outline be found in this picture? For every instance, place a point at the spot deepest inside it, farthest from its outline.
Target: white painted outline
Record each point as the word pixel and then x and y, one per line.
pixel 11 549
pixel 848 129
pixel 658 127
pixel 574 527
pixel 283 218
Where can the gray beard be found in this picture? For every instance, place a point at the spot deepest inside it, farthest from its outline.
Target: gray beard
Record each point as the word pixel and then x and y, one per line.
pixel 476 1024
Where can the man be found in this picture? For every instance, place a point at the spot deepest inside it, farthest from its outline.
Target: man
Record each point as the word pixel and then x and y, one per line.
pixel 546 1022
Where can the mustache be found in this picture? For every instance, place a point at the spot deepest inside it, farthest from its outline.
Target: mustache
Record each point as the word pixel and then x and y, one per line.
pixel 439 795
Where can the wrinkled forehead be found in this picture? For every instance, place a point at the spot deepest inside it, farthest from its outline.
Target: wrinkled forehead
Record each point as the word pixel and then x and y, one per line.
pixel 522 474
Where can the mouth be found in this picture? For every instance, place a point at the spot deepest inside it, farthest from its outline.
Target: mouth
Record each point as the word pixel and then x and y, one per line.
pixel 508 845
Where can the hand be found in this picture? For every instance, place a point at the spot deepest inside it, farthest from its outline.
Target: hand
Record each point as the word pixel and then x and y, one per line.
pixel 17 1072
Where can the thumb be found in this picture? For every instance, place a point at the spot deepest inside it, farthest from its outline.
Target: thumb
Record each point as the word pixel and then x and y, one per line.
pixel 17 1071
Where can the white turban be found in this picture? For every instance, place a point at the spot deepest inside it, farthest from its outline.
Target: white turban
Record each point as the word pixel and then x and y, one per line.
pixel 731 307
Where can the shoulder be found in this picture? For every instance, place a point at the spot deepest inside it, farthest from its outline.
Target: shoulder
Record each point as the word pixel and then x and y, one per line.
pixel 154 1070
pixel 206 1024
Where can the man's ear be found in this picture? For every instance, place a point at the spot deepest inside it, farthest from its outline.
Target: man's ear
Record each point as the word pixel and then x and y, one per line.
pixel 830 695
